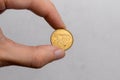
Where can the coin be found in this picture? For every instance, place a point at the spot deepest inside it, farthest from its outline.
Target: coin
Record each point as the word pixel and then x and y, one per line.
pixel 62 38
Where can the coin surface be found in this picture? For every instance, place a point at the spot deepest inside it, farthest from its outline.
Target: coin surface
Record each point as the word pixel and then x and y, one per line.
pixel 62 38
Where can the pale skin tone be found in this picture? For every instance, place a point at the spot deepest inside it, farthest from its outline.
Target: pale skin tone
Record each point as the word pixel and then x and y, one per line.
pixel 12 53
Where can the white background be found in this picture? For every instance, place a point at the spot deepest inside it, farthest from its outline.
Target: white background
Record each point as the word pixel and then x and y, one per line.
pixel 95 54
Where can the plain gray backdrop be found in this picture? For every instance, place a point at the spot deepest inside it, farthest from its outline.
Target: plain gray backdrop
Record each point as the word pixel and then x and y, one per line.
pixel 95 54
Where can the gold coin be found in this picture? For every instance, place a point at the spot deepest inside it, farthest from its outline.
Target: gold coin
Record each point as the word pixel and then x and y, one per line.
pixel 62 38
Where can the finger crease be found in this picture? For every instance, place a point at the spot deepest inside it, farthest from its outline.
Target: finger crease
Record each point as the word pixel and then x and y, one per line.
pixel 5 3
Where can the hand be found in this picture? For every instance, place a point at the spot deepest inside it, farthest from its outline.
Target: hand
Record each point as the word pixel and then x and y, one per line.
pixel 12 53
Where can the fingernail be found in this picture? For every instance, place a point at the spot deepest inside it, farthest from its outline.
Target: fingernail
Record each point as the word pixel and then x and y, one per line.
pixel 59 53
pixel 64 27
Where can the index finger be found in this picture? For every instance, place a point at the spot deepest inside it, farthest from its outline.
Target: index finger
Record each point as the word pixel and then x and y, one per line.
pixel 42 8
pixel 47 10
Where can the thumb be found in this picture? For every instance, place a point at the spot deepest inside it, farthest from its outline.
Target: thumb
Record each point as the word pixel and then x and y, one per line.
pixel 46 54
pixel 32 56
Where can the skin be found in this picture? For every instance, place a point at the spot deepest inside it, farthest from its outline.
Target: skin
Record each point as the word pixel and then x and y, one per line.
pixel 12 53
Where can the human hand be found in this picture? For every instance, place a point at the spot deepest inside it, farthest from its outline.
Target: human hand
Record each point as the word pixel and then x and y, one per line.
pixel 12 53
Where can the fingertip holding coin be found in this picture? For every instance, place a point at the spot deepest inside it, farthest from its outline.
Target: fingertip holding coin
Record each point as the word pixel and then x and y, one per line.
pixel 62 38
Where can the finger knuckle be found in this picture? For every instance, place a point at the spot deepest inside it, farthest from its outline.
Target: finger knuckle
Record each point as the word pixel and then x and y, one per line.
pixel 37 61
pixel 2 4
